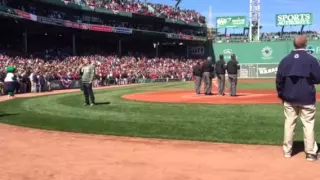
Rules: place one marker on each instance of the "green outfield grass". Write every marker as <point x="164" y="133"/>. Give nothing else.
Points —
<point x="252" y="124"/>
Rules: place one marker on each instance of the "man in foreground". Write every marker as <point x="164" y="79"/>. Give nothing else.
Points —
<point x="296" y="76"/>
<point x="232" y="69"/>
<point x="221" y="74"/>
<point x="207" y="70"/>
<point x="87" y="72"/>
<point x="197" y="73"/>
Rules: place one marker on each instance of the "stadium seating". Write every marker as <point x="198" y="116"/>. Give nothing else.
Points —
<point x="148" y="9"/>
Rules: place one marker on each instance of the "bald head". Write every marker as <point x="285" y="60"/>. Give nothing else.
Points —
<point x="300" y="42"/>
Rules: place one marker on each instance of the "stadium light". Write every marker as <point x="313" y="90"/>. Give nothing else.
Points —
<point x="178" y="2"/>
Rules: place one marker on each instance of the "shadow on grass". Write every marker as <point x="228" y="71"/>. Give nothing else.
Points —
<point x="102" y="103"/>
<point x="298" y="147"/>
<point x="5" y="115"/>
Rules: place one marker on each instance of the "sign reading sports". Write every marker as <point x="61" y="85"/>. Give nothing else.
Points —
<point x="231" y="22"/>
<point x="294" y="19"/>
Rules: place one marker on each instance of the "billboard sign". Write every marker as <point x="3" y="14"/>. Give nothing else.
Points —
<point x="231" y="22"/>
<point x="267" y="70"/>
<point x="294" y="19"/>
<point x="101" y="28"/>
<point x="122" y="30"/>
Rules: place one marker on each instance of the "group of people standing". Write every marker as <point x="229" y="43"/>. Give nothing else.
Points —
<point x="206" y="71"/>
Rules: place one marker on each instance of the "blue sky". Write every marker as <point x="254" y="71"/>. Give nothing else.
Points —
<point x="269" y="8"/>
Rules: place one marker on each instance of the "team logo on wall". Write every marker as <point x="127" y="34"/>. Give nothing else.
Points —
<point x="266" y="52"/>
<point x="227" y="53"/>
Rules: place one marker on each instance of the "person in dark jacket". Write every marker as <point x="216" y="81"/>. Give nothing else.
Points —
<point x="197" y="73"/>
<point x="232" y="69"/>
<point x="207" y="71"/>
<point x="221" y="74"/>
<point x="297" y="73"/>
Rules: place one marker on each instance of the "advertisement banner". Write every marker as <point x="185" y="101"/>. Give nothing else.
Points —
<point x="267" y="70"/>
<point x="186" y="37"/>
<point x="172" y="36"/>
<point x="51" y="21"/>
<point x="231" y="22"/>
<point x="101" y="28"/>
<point x="26" y="15"/>
<point x="198" y="50"/>
<point x="200" y="38"/>
<point x="58" y="85"/>
<point x="76" y="25"/>
<point x="122" y="30"/>
<point x="294" y="19"/>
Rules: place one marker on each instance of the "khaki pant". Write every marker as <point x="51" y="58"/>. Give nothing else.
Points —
<point x="307" y="115"/>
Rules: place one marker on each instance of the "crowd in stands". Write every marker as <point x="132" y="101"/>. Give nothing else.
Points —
<point x="273" y="36"/>
<point x="110" y="69"/>
<point x="148" y="9"/>
<point x="311" y="35"/>
<point x="52" y="13"/>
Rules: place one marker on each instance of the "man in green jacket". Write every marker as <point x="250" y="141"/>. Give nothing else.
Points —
<point x="87" y="72"/>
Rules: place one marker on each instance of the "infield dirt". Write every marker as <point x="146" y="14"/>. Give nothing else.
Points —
<point x="31" y="154"/>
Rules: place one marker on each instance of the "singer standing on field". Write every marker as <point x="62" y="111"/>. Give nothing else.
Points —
<point x="87" y="72"/>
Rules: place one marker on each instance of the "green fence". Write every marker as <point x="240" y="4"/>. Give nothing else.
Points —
<point x="261" y="52"/>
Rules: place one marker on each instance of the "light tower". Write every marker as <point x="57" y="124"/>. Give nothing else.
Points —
<point x="254" y="20"/>
<point x="210" y="25"/>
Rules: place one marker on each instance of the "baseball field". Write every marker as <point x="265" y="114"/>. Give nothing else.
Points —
<point x="166" y="116"/>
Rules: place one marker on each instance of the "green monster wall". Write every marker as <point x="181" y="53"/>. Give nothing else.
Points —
<point x="261" y="59"/>
<point x="261" y="52"/>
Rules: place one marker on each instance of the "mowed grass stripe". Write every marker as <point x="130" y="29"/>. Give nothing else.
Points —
<point x="252" y="124"/>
